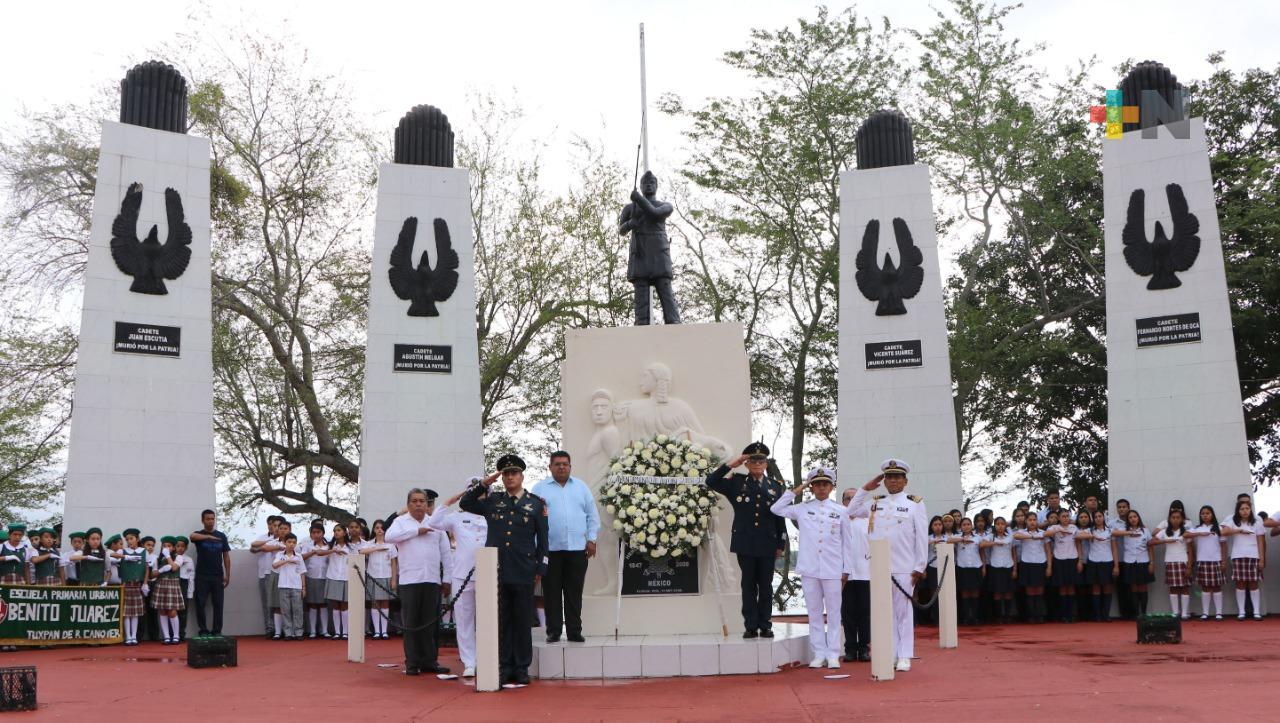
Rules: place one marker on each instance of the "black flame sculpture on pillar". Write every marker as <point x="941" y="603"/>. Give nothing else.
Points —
<point x="885" y="140"/>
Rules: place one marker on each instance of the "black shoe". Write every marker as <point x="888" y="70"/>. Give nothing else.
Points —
<point x="412" y="671"/>
<point x="768" y="633"/>
<point x="434" y="669"/>
<point x="521" y="677"/>
<point x="553" y="638"/>
<point x="576" y="638"/>
<point x="748" y="634"/>
<point x="846" y="658"/>
<point x="864" y="655"/>
<point x="504" y="678"/>
<point x="202" y="634"/>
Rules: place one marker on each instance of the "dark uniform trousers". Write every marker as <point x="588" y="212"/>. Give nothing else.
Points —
<point x="758" y="535"/>
<point x="209" y="587"/>
<point x="566" y="574"/>
<point x="420" y="603"/>
<point x="670" y="312"/>
<point x="518" y="529"/>
<point x="855" y="615"/>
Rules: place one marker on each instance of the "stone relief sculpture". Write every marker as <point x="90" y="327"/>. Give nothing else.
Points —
<point x="607" y="440"/>
<point x="660" y="413"/>
<point x="148" y="261"/>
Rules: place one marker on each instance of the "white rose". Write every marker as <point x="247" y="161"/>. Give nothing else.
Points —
<point x="652" y="528"/>
<point x="703" y="502"/>
<point x="632" y="511"/>
<point x="626" y="489"/>
<point x="610" y="509"/>
<point x="677" y="552"/>
<point x="651" y="446"/>
<point x="617" y="524"/>
<point x="628" y="528"/>
<point x="682" y="510"/>
<point x="684" y="489"/>
<point x="662" y="438"/>
<point x="662" y="525"/>
<point x="664" y="468"/>
<point x="705" y="452"/>
<point x="654" y="514"/>
<point x="644" y="548"/>
<point x="665" y="538"/>
<point x="682" y="533"/>
<point x="657" y="552"/>
<point x="652" y="539"/>
<point x="695" y="540"/>
<point x="650" y="472"/>
<point x="646" y="455"/>
<point x="671" y="519"/>
<point x="616" y="468"/>
<point x="702" y="464"/>
<point x="702" y="520"/>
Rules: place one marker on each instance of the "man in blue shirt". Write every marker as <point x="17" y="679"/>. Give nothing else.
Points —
<point x="573" y="523"/>
<point x="213" y="571"/>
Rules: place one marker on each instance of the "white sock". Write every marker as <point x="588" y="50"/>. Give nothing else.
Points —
<point x="278" y="620"/>
<point x="1217" y="601"/>
<point x="378" y="623"/>
<point x="1240" y="601"/>
<point x="1173" y="603"/>
<point x="345" y="616"/>
<point x="131" y="628"/>
<point x="323" y="615"/>
<point x="1255" y="596"/>
<point x="164" y="627"/>
<point x="1186" y="604"/>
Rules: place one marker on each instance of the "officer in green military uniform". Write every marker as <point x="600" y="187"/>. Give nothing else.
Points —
<point x="517" y="522"/>
<point x="759" y="536"/>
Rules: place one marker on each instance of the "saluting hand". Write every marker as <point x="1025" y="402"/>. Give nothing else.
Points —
<point x="874" y="483"/>
<point x="736" y="461"/>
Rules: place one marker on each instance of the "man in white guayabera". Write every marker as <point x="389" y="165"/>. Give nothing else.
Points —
<point x="901" y="519"/>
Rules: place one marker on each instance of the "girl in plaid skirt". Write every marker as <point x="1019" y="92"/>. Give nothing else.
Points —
<point x="1177" y="563"/>
<point x="1244" y="533"/>
<point x="166" y="597"/>
<point x="13" y="556"/>
<point x="133" y="573"/>
<point x="1208" y="566"/>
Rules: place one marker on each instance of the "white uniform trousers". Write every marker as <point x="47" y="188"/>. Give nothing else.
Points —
<point x="464" y="618"/>
<point x="820" y="594"/>
<point x="904" y="631"/>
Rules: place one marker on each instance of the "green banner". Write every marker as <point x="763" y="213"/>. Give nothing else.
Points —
<point x="51" y="615"/>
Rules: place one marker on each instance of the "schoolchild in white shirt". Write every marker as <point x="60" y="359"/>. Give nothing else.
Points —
<point x="1101" y="567"/>
<point x="1067" y="564"/>
<point x="1138" y="570"/>
<point x="1033" y="567"/>
<point x="1000" y="569"/>
<point x="380" y="570"/>
<point x="1248" y="551"/>
<point x="336" y="581"/>
<point x="314" y="552"/>
<point x="1208" y="557"/>
<point x="186" y="580"/>
<point x="969" y="571"/>
<point x="291" y="583"/>
<point x="1177" y="562"/>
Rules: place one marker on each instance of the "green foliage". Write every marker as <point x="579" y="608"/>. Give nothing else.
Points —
<point x="36" y="369"/>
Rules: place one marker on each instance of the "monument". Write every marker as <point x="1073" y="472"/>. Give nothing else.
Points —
<point x="141" y="443"/>
<point x="895" y="396"/>
<point x="421" y="412"/>
<point x="1175" y="418"/>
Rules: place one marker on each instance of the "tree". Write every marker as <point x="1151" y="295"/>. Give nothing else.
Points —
<point x="771" y="162"/>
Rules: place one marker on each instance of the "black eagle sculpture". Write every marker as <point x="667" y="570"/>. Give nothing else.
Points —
<point x="1164" y="255"/>
<point x="424" y="285"/>
<point x="148" y="261"/>
<point x="889" y="284"/>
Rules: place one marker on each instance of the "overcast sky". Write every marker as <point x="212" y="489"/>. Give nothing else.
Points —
<point x="573" y="64"/>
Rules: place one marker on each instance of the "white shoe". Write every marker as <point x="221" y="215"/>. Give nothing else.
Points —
<point x="817" y="662"/>
<point x="833" y="663"/>
<point x="469" y="672"/>
<point x="904" y="664"/>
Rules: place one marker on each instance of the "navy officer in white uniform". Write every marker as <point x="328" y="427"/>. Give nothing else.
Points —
<point x="901" y="519"/>
<point x="824" y="533"/>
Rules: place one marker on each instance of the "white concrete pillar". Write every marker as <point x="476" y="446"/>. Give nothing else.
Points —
<point x="882" y="638"/>
<point x="948" y="632"/>
<point x="486" y="582"/>
<point x="355" y="608"/>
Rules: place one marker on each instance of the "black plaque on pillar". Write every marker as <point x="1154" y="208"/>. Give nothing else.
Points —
<point x="150" y="339"/>
<point x="894" y="354"/>
<point x="423" y="358"/>
<point x="1172" y="329"/>
<point x="643" y="575"/>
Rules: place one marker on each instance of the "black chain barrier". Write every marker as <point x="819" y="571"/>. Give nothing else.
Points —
<point x="448" y="607"/>
<point x="936" y="590"/>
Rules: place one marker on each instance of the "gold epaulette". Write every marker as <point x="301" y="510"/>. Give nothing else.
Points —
<point x="914" y="498"/>
<point x="880" y="497"/>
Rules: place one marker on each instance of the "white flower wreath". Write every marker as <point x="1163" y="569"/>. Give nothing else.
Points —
<point x="656" y="496"/>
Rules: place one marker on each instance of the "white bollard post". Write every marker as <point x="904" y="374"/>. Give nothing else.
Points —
<point x="882" y="642"/>
<point x="355" y="608"/>
<point x="485" y="580"/>
<point x="948" y="633"/>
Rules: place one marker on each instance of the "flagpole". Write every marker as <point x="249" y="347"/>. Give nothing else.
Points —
<point x="644" y="104"/>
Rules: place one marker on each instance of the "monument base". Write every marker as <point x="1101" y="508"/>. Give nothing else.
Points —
<point x="670" y="656"/>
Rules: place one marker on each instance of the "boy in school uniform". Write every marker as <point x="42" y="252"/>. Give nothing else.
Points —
<point x="291" y="572"/>
<point x="115" y="551"/>
<point x="283" y="527"/>
<point x="150" y="620"/>
<point x="47" y="569"/>
<point x="70" y="571"/>
<point x="264" y="548"/>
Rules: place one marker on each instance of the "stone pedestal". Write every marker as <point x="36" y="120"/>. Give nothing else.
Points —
<point x="1176" y="422"/>
<point x="141" y="447"/>
<point x="708" y="365"/>
<point x="895" y="396"/>
<point x="421" y="411"/>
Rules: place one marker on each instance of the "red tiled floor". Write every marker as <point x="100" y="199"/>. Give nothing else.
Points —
<point x="1046" y="673"/>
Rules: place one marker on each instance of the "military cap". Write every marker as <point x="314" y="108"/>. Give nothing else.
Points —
<point x="17" y="527"/>
<point x="510" y="461"/>
<point x="895" y="466"/>
<point x="431" y="494"/>
<point x="77" y="536"/>
<point x="131" y="531"/>
<point x="821" y="474"/>
<point x="756" y="450"/>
